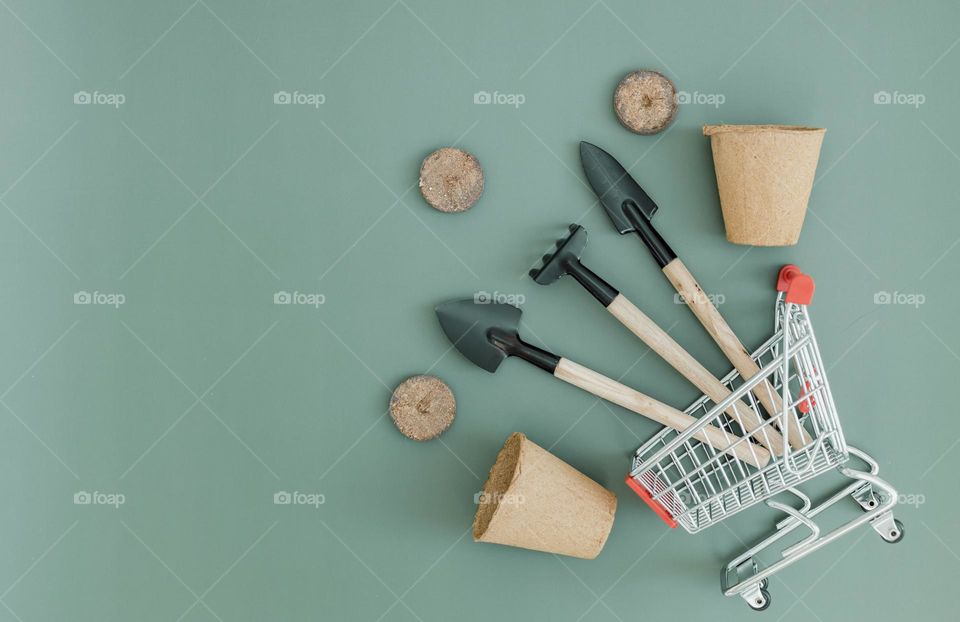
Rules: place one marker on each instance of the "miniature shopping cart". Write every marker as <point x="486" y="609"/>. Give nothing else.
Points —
<point x="690" y="483"/>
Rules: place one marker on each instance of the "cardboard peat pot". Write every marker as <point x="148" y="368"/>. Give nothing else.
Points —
<point x="764" y="174"/>
<point x="534" y="500"/>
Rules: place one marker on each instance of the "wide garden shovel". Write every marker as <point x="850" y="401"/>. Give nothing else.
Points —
<point x="489" y="333"/>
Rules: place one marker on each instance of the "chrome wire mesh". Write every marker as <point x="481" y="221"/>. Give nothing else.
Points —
<point x="699" y="485"/>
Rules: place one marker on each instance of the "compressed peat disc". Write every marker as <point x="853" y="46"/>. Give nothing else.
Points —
<point x="645" y="101"/>
<point x="451" y="180"/>
<point x="422" y="407"/>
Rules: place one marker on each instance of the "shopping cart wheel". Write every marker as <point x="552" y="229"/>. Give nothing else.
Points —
<point x="896" y="534"/>
<point x="889" y="528"/>
<point x="761" y="601"/>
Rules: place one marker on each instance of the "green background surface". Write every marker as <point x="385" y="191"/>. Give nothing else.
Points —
<point x="199" y="198"/>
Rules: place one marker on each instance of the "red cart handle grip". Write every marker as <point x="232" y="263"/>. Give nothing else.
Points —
<point x="798" y="286"/>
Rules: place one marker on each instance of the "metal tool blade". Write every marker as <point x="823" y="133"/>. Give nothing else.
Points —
<point x="614" y="187"/>
<point x="468" y="324"/>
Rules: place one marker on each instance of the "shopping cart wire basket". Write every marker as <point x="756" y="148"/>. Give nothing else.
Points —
<point x="691" y="484"/>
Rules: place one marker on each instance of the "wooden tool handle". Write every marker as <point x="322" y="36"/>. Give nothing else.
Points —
<point x="733" y="349"/>
<point x="691" y="369"/>
<point x="613" y="391"/>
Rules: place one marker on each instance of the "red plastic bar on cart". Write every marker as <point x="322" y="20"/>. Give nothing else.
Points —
<point x="653" y="503"/>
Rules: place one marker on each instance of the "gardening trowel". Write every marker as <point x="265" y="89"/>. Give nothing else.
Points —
<point x="489" y="333"/>
<point x="566" y="260"/>
<point x="631" y="210"/>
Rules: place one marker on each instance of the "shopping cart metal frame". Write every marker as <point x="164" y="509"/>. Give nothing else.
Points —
<point x="694" y="485"/>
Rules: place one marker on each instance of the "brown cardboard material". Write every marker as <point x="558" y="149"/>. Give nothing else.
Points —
<point x="536" y="501"/>
<point x="764" y="175"/>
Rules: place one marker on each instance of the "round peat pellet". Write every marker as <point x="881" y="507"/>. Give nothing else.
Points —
<point x="422" y="407"/>
<point x="645" y="101"/>
<point x="451" y="180"/>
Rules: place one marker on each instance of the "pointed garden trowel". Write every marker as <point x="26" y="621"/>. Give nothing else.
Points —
<point x="489" y="333"/>
<point x="631" y="210"/>
<point x="566" y="260"/>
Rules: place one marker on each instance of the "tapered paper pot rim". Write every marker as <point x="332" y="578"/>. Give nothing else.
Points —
<point x="711" y="130"/>
<point x="502" y="476"/>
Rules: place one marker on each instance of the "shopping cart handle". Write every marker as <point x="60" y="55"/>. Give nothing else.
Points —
<point x="795" y="284"/>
